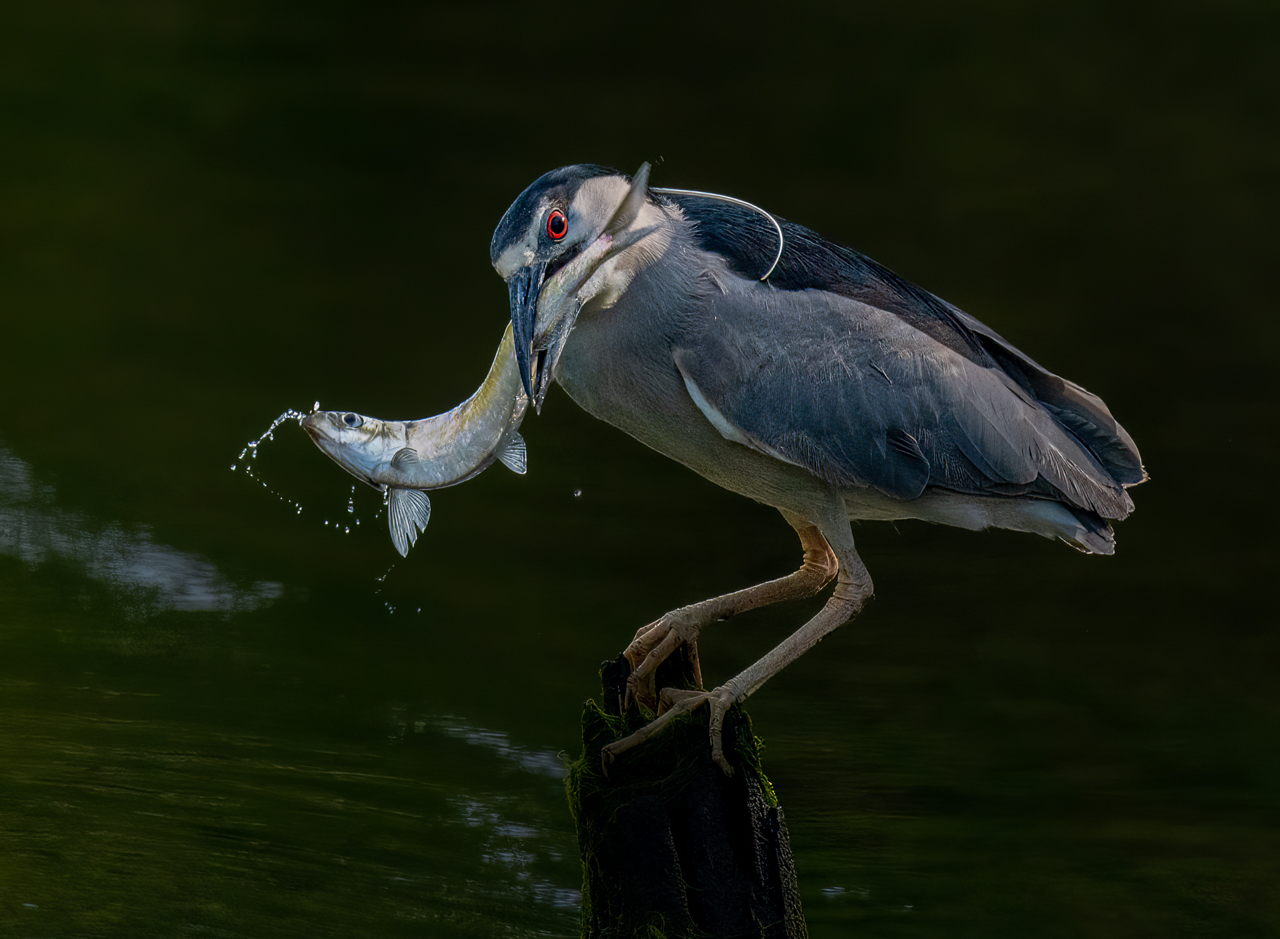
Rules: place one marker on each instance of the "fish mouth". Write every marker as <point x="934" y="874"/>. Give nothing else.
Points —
<point x="319" y="426"/>
<point x="310" y="424"/>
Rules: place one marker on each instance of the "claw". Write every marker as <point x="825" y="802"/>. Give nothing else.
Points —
<point x="656" y="643"/>
<point x="679" y="701"/>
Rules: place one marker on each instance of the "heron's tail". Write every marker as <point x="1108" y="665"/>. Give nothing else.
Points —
<point x="1092" y="535"/>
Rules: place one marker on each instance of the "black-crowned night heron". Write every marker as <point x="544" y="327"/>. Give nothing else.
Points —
<point x="805" y="376"/>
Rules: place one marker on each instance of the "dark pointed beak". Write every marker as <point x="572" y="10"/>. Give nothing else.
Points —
<point x="524" y="286"/>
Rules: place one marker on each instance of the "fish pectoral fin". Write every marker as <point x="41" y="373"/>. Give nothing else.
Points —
<point x="405" y="459"/>
<point x="514" y="455"/>
<point x="408" y="511"/>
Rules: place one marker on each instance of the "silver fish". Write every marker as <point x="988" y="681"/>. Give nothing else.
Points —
<point x="402" y="458"/>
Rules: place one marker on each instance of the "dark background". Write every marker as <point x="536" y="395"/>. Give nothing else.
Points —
<point x="223" y="716"/>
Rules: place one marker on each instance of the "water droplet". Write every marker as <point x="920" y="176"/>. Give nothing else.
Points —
<point x="251" y="452"/>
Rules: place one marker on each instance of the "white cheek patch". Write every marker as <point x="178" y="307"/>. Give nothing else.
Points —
<point x="517" y="256"/>
<point x="597" y="198"/>
<point x="521" y="253"/>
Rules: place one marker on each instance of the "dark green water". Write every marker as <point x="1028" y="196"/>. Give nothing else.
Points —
<point x="216" y="718"/>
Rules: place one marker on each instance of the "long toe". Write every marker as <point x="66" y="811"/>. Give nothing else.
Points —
<point x="720" y="700"/>
<point x="652" y="646"/>
<point x="677" y="702"/>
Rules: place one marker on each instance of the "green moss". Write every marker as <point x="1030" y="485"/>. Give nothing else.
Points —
<point x="668" y="841"/>
<point x="665" y="759"/>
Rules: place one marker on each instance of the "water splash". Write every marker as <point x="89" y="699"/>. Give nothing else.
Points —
<point x="250" y="453"/>
<point x="245" y="462"/>
<point x="382" y="581"/>
<point x="351" y="508"/>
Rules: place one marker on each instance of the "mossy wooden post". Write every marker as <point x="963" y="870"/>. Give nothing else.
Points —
<point x="671" y="846"/>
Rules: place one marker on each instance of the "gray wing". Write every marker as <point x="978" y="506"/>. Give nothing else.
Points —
<point x="748" y="243"/>
<point x="861" y="398"/>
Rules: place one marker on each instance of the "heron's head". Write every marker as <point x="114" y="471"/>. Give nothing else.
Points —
<point x="555" y="247"/>
<point x="359" y="444"/>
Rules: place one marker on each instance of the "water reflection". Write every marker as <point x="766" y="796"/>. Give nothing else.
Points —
<point x="33" y="529"/>
<point x="507" y="838"/>
<point x="516" y="848"/>
<point x="540" y="762"/>
<point x="214" y="830"/>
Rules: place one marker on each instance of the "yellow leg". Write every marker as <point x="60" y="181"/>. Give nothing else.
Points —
<point x="655" y="642"/>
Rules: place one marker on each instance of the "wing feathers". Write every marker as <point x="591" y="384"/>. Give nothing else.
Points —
<point x="860" y="398"/>
<point x="747" y="242"/>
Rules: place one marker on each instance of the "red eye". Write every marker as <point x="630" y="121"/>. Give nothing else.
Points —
<point x="557" y="225"/>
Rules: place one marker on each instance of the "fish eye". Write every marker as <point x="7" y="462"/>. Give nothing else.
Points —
<point x="557" y="225"/>
<point x="352" y="420"/>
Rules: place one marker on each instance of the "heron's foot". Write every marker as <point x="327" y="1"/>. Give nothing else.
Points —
<point x="653" y="645"/>
<point x="675" y="702"/>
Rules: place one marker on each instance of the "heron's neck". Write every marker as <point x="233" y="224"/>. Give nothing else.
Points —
<point x="627" y="337"/>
